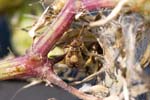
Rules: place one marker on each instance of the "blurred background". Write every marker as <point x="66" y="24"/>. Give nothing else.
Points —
<point x="15" y="19"/>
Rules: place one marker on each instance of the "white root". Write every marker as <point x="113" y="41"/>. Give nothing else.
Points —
<point x="111" y="16"/>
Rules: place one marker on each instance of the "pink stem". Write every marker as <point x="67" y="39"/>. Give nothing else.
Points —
<point x="33" y="63"/>
<point x="94" y="4"/>
<point x="20" y="67"/>
<point x="56" y="30"/>
<point x="11" y="68"/>
<point x="63" y="21"/>
<point x="53" y="78"/>
<point x="49" y="38"/>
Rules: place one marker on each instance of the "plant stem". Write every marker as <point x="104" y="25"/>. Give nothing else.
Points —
<point x="95" y="4"/>
<point x="33" y="63"/>
<point x="20" y="67"/>
<point x="14" y="67"/>
<point x="55" y="30"/>
<point x="53" y="78"/>
<point x="11" y="68"/>
<point x="63" y="21"/>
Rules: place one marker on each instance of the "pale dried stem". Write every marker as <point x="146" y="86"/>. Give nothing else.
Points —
<point x="112" y="15"/>
<point x="40" y="23"/>
<point x="146" y="57"/>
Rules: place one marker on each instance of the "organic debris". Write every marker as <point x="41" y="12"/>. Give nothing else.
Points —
<point x="108" y="61"/>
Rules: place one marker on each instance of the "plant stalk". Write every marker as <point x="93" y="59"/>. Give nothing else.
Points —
<point x="64" y="20"/>
<point x="32" y="64"/>
<point x="14" y="67"/>
<point x="53" y="78"/>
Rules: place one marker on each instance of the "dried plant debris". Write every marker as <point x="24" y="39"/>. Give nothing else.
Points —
<point x="111" y="60"/>
<point x="108" y="60"/>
